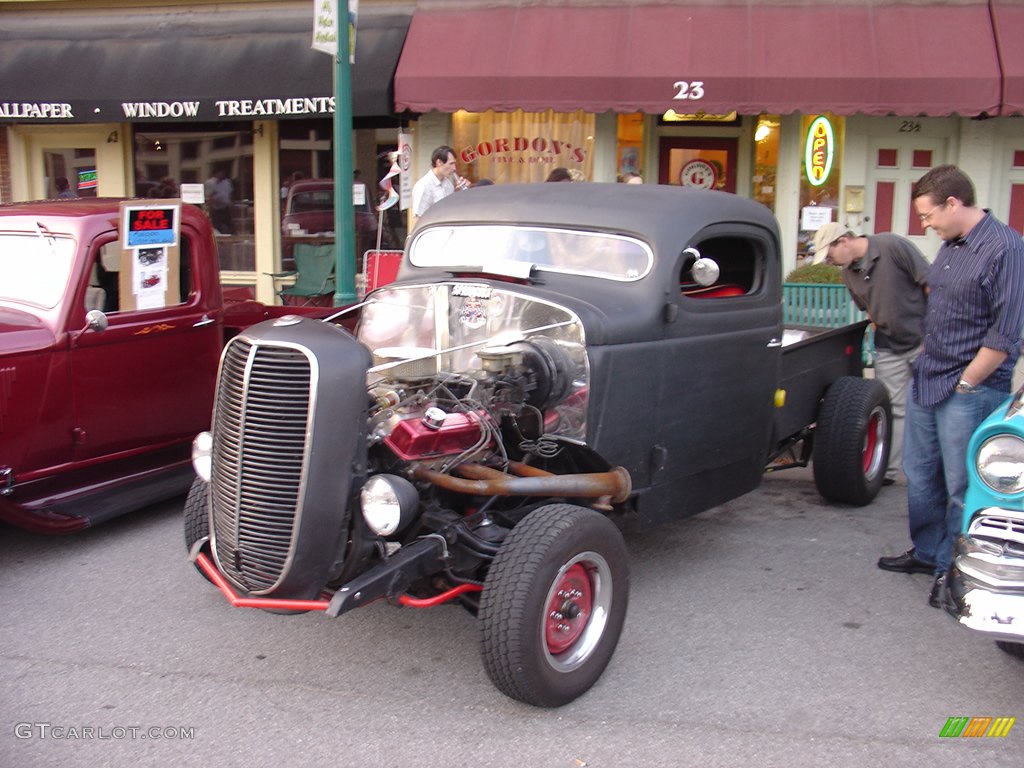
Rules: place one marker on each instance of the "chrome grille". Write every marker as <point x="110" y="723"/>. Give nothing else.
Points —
<point x="999" y="526"/>
<point x="260" y="419"/>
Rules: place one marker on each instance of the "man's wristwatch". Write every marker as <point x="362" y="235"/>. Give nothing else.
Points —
<point x="963" y="386"/>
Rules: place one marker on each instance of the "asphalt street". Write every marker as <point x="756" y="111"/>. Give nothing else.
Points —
<point x="759" y="633"/>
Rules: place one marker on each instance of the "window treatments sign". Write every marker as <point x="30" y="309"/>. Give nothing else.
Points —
<point x="326" y="27"/>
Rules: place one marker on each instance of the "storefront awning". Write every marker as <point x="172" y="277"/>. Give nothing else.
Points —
<point x="870" y="56"/>
<point x="188" y="64"/>
<point x="1008" y="18"/>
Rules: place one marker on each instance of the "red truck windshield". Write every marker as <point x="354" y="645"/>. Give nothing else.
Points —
<point x="34" y="268"/>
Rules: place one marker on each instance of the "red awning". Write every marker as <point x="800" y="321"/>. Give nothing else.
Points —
<point x="869" y="56"/>
<point x="1008" y="19"/>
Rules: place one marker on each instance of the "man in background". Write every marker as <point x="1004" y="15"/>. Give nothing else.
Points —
<point x="885" y="275"/>
<point x="436" y="184"/>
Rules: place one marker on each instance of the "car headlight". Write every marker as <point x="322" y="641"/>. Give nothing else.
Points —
<point x="389" y="503"/>
<point x="202" y="455"/>
<point x="1000" y="463"/>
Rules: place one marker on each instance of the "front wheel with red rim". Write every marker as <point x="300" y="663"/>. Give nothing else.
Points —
<point x="554" y="604"/>
<point x="851" y="440"/>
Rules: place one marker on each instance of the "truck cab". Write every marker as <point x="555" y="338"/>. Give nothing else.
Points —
<point x="99" y="400"/>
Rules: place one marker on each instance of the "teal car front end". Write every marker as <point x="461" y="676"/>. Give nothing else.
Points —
<point x="986" y="580"/>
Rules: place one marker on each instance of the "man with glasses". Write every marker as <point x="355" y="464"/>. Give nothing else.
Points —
<point x="972" y="337"/>
<point x="885" y="274"/>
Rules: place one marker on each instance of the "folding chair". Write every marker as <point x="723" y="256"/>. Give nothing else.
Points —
<point x="313" y="273"/>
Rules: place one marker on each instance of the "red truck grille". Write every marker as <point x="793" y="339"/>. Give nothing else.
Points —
<point x="260" y="418"/>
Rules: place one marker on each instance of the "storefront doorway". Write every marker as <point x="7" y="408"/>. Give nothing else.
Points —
<point x="89" y="159"/>
<point x="703" y="163"/>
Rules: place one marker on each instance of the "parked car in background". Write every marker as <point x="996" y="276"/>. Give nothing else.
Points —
<point x="309" y="218"/>
<point x="309" y="208"/>
<point x="985" y="586"/>
<point x="100" y="397"/>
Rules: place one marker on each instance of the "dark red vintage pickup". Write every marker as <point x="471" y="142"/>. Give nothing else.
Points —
<point x="102" y="386"/>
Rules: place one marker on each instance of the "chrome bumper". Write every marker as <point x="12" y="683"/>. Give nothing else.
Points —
<point x="986" y="590"/>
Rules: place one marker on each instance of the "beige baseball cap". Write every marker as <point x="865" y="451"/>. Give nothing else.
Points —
<point x="824" y="237"/>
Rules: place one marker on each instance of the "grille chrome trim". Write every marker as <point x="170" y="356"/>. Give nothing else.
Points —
<point x="998" y="525"/>
<point x="263" y="407"/>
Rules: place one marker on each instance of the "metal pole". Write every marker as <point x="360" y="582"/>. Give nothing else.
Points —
<point x="344" y="220"/>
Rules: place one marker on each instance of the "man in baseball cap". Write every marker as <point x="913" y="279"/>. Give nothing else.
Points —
<point x="825" y="236"/>
<point x="885" y="274"/>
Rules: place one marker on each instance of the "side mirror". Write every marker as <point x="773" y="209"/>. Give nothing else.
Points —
<point x="703" y="271"/>
<point x="95" y="320"/>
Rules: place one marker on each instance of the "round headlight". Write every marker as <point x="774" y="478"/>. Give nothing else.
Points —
<point x="202" y="455"/>
<point x="389" y="503"/>
<point x="1000" y="463"/>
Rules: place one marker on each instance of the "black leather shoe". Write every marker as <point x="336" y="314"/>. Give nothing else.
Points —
<point x="938" y="595"/>
<point x="905" y="563"/>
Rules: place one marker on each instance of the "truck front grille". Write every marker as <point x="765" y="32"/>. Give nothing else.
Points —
<point x="260" y="418"/>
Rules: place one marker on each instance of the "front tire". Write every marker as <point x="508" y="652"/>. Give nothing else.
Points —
<point x="197" y="518"/>
<point x="554" y="604"/>
<point x="851" y="441"/>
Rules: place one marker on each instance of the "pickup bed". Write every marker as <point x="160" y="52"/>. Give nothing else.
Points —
<point x="104" y="382"/>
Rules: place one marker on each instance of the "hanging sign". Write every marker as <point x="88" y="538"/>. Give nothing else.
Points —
<point x="327" y="26"/>
<point x="819" y="149"/>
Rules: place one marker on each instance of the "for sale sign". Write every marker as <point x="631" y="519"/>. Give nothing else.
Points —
<point x="148" y="225"/>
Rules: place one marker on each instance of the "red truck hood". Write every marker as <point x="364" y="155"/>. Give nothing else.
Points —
<point x="23" y="332"/>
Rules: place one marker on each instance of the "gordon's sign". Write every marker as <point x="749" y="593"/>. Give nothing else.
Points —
<point x="523" y="149"/>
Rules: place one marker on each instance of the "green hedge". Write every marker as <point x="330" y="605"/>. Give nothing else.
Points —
<point x="815" y="273"/>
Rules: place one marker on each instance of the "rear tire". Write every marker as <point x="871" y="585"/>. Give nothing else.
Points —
<point x="851" y="441"/>
<point x="554" y="604"/>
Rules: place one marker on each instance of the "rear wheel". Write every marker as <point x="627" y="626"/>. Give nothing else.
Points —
<point x="851" y="441"/>
<point x="554" y="604"/>
<point x="1014" y="649"/>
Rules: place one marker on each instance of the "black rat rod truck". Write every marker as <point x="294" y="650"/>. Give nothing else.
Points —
<point x="553" y="358"/>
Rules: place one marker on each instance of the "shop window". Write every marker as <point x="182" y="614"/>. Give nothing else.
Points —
<point x="219" y="157"/>
<point x="888" y="158"/>
<point x="630" y="144"/>
<point x="922" y="158"/>
<point x="306" y="169"/>
<point x="821" y="175"/>
<point x="520" y="147"/>
<point x="766" y="159"/>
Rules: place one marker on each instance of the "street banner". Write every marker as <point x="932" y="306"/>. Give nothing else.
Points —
<point x="326" y="27"/>
<point x="405" y="165"/>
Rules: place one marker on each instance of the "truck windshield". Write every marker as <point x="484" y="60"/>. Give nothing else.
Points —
<point x="488" y="247"/>
<point x="34" y="268"/>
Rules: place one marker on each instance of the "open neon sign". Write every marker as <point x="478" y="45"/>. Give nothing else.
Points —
<point x="819" y="149"/>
